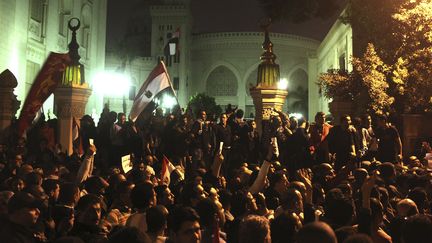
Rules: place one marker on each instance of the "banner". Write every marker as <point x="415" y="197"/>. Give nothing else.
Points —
<point x="43" y="86"/>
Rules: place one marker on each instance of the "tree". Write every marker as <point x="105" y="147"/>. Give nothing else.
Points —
<point x="412" y="72"/>
<point x="202" y="101"/>
<point x="297" y="11"/>
<point x="367" y="84"/>
<point x="372" y="22"/>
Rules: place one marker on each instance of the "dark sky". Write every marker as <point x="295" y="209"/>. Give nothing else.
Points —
<point x="218" y="16"/>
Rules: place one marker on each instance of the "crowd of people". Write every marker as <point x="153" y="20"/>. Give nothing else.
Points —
<point x="294" y="181"/>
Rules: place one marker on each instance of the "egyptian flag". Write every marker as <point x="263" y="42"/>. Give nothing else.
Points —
<point x="157" y="82"/>
<point x="76" y="137"/>
<point x="43" y="86"/>
<point x="167" y="168"/>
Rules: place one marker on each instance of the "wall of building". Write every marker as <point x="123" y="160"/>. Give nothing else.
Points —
<point x="334" y="52"/>
<point x="31" y="29"/>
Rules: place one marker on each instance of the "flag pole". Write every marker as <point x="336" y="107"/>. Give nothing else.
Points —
<point x="171" y="85"/>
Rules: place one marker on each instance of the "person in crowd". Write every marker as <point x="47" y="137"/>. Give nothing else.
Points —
<point x="341" y="139"/>
<point x="389" y="142"/>
<point x="318" y="134"/>
<point x="87" y="220"/>
<point x="184" y="225"/>
<point x="234" y="187"/>
<point x="23" y="213"/>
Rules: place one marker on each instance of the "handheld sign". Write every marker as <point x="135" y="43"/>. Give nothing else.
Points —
<point x="126" y="163"/>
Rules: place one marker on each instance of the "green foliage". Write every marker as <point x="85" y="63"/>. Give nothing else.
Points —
<point x="366" y="85"/>
<point x="202" y="101"/>
<point x="297" y="11"/>
<point x="401" y="31"/>
<point x="412" y="72"/>
<point x="372" y="22"/>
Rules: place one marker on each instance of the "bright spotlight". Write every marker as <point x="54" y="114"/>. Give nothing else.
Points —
<point x="283" y="84"/>
<point x="111" y="84"/>
<point x="168" y="101"/>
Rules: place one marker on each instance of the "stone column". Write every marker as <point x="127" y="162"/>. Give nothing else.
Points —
<point x="69" y="102"/>
<point x="8" y="101"/>
<point x="265" y="100"/>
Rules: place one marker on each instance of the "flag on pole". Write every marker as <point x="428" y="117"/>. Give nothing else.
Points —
<point x="157" y="81"/>
<point x="43" y="86"/>
<point x="167" y="168"/>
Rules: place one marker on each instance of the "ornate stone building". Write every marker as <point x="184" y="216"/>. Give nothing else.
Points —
<point x="224" y="65"/>
<point x="31" y="29"/>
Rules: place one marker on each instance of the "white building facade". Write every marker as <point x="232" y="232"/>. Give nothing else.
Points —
<point x="31" y="29"/>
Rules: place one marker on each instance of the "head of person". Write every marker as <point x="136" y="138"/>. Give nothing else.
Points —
<point x="381" y="121"/>
<point x="112" y="116"/>
<point x="130" y="235"/>
<point x="69" y="194"/>
<point x="239" y="114"/>
<point x="23" y="209"/>
<point x="88" y="210"/>
<point x="292" y="201"/>
<point x="360" y="175"/>
<point x="202" y="115"/>
<point x="345" y="121"/>
<point x="4" y="199"/>
<point x="366" y="120"/>
<point x="96" y="185"/>
<point x="121" y="118"/>
<point x="254" y="229"/>
<point x="143" y="196"/>
<point x="164" y="195"/>
<point x="358" y="238"/>
<point x="316" y="232"/>
<point x="184" y="226"/>
<point x="418" y="228"/>
<point x="419" y="196"/>
<point x="208" y="212"/>
<point x="192" y="193"/>
<point x="223" y="118"/>
<point x="279" y="182"/>
<point x="52" y="189"/>
<point x="357" y="122"/>
<point x="156" y="218"/>
<point x="339" y="209"/>
<point x="284" y="227"/>
<point x="320" y="118"/>
<point x="406" y="207"/>
<point x="387" y="171"/>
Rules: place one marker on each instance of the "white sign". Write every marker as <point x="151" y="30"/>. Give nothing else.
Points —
<point x="126" y="163"/>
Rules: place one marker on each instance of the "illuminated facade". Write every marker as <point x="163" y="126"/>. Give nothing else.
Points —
<point x="30" y="29"/>
<point x="223" y="65"/>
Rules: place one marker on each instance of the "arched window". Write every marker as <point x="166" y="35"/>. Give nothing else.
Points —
<point x="251" y="81"/>
<point x="221" y="82"/>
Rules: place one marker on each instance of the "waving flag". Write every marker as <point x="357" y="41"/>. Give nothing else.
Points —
<point x="43" y="86"/>
<point x="167" y="168"/>
<point x="157" y="81"/>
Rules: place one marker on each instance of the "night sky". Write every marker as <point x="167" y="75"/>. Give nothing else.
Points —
<point x="218" y="16"/>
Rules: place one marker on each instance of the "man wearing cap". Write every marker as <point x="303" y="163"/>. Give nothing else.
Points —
<point x="23" y="212"/>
